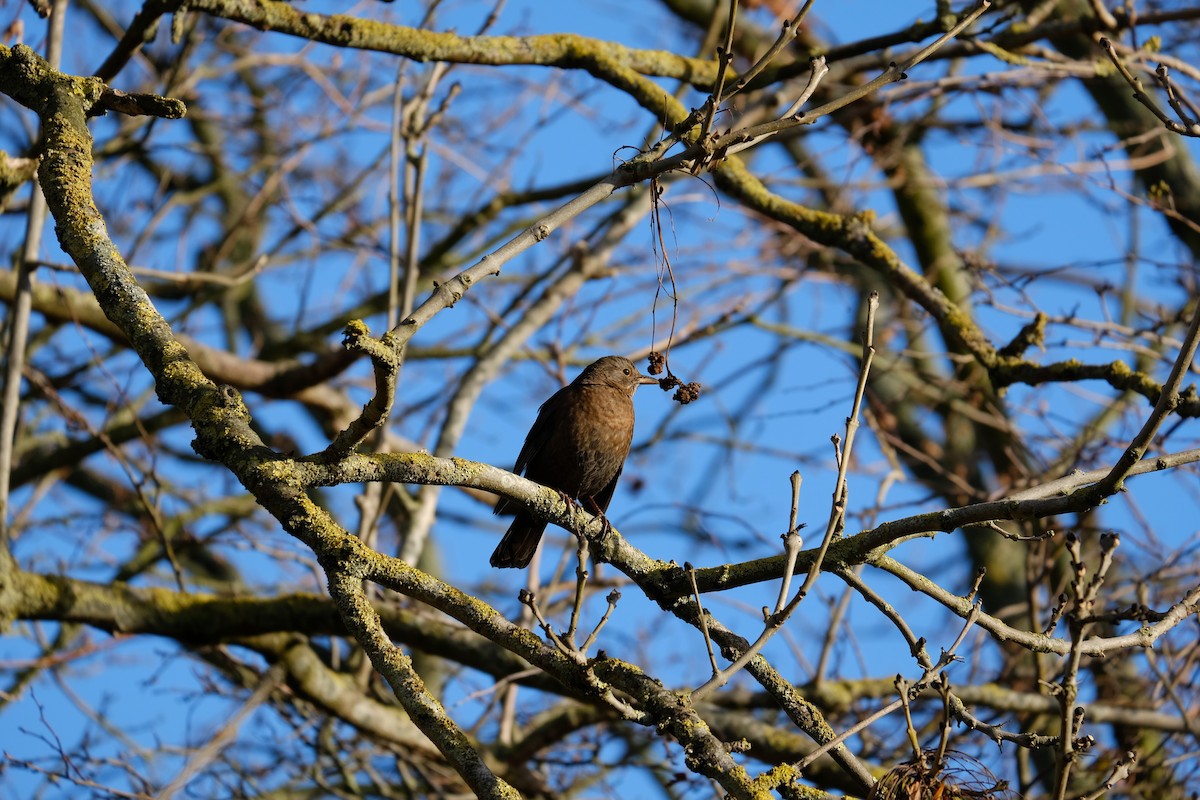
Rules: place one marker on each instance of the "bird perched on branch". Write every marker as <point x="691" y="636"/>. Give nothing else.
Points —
<point x="578" y="446"/>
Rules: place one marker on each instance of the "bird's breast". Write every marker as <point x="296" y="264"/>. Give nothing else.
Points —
<point x="589" y="440"/>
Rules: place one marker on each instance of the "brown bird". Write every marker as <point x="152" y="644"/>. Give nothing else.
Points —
<point x="577" y="445"/>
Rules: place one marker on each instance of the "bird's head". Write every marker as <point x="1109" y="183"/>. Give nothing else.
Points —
<point x="616" y="371"/>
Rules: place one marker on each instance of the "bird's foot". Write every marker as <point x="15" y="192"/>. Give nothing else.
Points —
<point x="605" y="526"/>
<point x="570" y="502"/>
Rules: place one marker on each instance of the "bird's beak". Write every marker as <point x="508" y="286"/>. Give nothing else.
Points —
<point x="646" y="380"/>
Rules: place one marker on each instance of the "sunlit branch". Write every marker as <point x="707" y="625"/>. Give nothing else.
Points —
<point x="1188" y="126"/>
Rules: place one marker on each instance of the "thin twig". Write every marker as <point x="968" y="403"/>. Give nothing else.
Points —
<point x="1168" y="400"/>
<point x="833" y="631"/>
<point x="926" y="679"/>
<point x="1139" y="93"/>
<point x="22" y="306"/>
<point x="581" y="579"/>
<point x="792" y="544"/>
<point x="529" y="599"/>
<point x="893" y="74"/>
<point x="1107" y="20"/>
<point x="838" y="511"/>
<point x="724" y="57"/>
<point x="1120" y="772"/>
<point x="209" y="752"/>
<point x="703" y="617"/>
<point x="394" y="160"/>
<point x="817" y="71"/>
<point x="789" y="31"/>
<point x="774" y="622"/>
<point x="943" y="687"/>
<point x="613" y="597"/>
<point x="916" y="645"/>
<point x="1173" y="99"/>
<point x="902" y="689"/>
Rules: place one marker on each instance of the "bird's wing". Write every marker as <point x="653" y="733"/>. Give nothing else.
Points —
<point x="535" y="440"/>
<point x="542" y="430"/>
<point x="604" y="496"/>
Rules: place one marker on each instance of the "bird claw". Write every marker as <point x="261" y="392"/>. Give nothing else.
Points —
<point x="605" y="526"/>
<point x="570" y="502"/>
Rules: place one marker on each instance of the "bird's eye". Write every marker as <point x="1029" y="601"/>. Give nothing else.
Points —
<point x="626" y="372"/>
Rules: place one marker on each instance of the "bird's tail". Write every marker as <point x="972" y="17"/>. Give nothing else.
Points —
<point x="520" y="542"/>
